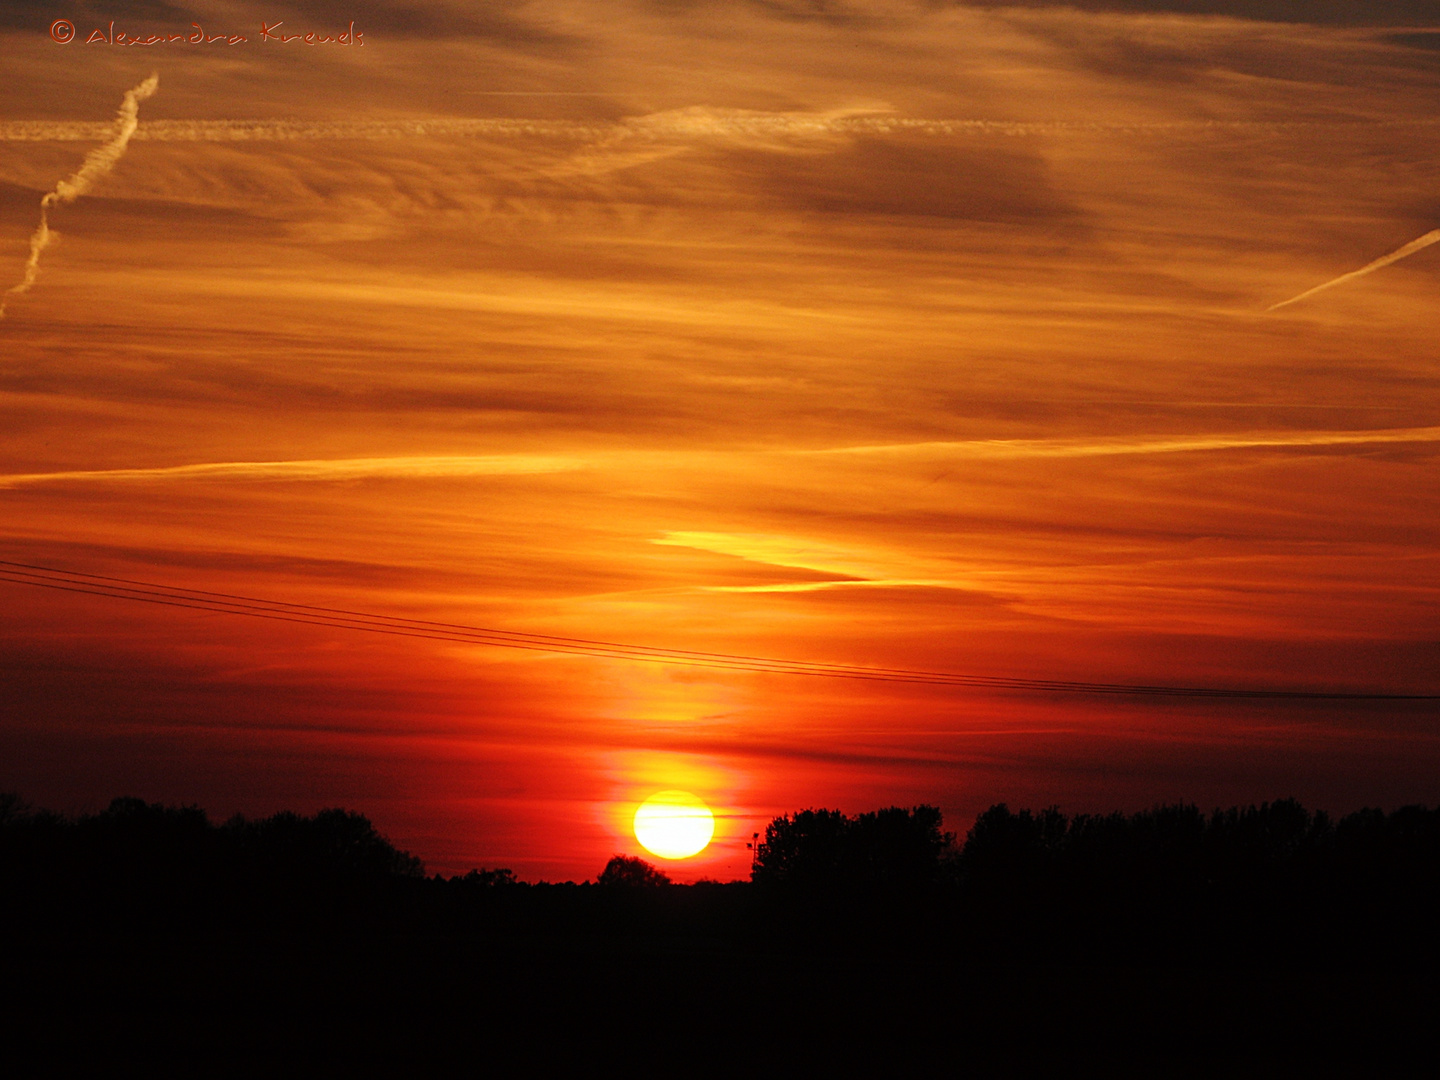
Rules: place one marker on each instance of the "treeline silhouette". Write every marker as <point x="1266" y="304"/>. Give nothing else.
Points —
<point x="1164" y="850"/>
<point x="1223" y="855"/>
<point x="132" y="839"/>
<point x="138" y="863"/>
<point x="1173" y="884"/>
<point x="1267" y="874"/>
<point x="1172" y="923"/>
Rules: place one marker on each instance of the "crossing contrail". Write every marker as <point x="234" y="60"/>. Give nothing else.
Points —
<point x="96" y="165"/>
<point x="1425" y="241"/>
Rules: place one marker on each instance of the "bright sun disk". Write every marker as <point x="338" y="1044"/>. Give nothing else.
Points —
<point x="674" y="825"/>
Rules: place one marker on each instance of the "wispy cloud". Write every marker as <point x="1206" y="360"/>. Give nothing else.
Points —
<point x="850" y="565"/>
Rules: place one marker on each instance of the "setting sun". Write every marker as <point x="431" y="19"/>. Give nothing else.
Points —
<point x="674" y="825"/>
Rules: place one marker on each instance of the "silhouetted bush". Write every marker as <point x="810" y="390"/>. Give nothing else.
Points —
<point x="628" y="871"/>
<point x="501" y="877"/>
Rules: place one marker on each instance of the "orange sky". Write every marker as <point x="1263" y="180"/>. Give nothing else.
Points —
<point x="898" y="334"/>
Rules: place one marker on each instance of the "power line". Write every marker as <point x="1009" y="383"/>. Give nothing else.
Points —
<point x="340" y="618"/>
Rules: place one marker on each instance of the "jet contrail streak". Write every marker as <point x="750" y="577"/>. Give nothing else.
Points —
<point x="670" y="122"/>
<point x="1425" y="241"/>
<point x="96" y="165"/>
<point x="323" y="469"/>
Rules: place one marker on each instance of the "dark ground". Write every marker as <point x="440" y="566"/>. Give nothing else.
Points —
<point x="170" y="959"/>
<point x="704" y="982"/>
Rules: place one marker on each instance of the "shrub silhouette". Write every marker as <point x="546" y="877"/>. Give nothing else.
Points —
<point x="500" y="877"/>
<point x="629" y="872"/>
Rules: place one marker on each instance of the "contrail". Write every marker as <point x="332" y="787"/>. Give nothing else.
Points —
<point x="675" y="122"/>
<point x="1431" y="237"/>
<point x="323" y="469"/>
<point x="96" y="165"/>
<point x="1005" y="449"/>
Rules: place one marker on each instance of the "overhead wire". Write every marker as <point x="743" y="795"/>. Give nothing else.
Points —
<point x="370" y="622"/>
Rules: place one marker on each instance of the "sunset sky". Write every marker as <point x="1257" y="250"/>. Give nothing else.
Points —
<point x="891" y="333"/>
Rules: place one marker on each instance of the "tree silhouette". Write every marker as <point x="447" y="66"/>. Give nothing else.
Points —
<point x="807" y="848"/>
<point x="628" y="871"/>
<point x="1002" y="844"/>
<point x="824" y="849"/>
<point x="332" y="843"/>
<point x="898" y="848"/>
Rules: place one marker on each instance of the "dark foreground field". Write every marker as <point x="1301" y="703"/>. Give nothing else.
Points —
<point x="156" y="942"/>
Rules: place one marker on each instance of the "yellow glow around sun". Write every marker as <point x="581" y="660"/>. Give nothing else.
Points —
<point x="674" y="825"/>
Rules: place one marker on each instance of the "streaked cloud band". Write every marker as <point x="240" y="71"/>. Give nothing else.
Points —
<point x="439" y="466"/>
